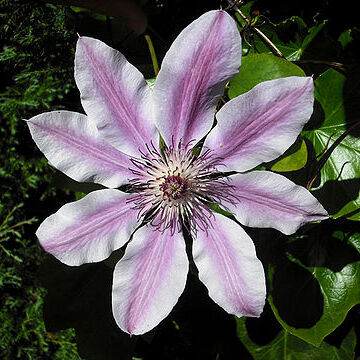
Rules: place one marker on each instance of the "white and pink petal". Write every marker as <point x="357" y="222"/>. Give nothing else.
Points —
<point x="260" y="125"/>
<point x="72" y="144"/>
<point x="115" y="95"/>
<point x="90" y="229"/>
<point x="193" y="73"/>
<point x="269" y="200"/>
<point x="149" y="279"/>
<point x="226" y="259"/>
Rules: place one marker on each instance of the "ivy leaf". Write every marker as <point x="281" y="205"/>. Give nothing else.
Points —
<point x="246" y="10"/>
<point x="295" y="158"/>
<point x="292" y="37"/>
<point x="339" y="184"/>
<point x="319" y="282"/>
<point x="286" y="346"/>
<point x="257" y="68"/>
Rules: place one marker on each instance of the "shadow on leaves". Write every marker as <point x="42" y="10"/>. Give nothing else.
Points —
<point x="334" y="194"/>
<point x="295" y="291"/>
<point x="322" y="249"/>
<point x="263" y="330"/>
<point x="351" y="96"/>
<point x="297" y="296"/>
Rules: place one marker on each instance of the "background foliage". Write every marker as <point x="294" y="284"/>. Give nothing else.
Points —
<point x="51" y="311"/>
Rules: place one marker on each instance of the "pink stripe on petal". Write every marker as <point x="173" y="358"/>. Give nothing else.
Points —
<point x="149" y="279"/>
<point x="261" y="124"/>
<point x="194" y="71"/>
<point x="266" y="199"/>
<point x="115" y="95"/>
<point x="227" y="263"/>
<point x="88" y="230"/>
<point x="72" y="144"/>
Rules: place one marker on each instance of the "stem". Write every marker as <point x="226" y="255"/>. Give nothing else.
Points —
<point x="267" y="41"/>
<point x="326" y="156"/>
<point x="8" y="216"/>
<point x="25" y="222"/>
<point x="285" y="344"/>
<point x="152" y="54"/>
<point x="260" y="34"/>
<point x="329" y="63"/>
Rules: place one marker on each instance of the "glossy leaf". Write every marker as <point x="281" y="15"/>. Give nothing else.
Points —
<point x="292" y="37"/>
<point x="338" y="184"/>
<point x="293" y="159"/>
<point x="288" y="347"/>
<point x="322" y="280"/>
<point x="246" y="10"/>
<point x="257" y="68"/>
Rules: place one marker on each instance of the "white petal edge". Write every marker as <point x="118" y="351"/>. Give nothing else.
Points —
<point x="72" y="144"/>
<point x="226" y="259"/>
<point x="263" y="123"/>
<point x="204" y="56"/>
<point x="269" y="200"/>
<point x="115" y="95"/>
<point x="90" y="229"/>
<point x="149" y="279"/>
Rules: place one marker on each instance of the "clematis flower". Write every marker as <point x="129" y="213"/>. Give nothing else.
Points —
<point x="171" y="187"/>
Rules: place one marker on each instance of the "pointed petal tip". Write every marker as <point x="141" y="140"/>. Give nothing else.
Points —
<point x="226" y="259"/>
<point x="211" y="47"/>
<point x="90" y="229"/>
<point x="263" y="122"/>
<point x="250" y="311"/>
<point x="270" y="200"/>
<point x="115" y="94"/>
<point x="72" y="144"/>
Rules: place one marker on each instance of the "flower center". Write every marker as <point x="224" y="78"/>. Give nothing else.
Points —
<point x="174" y="187"/>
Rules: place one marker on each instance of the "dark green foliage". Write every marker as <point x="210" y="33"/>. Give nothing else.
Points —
<point x="36" y="71"/>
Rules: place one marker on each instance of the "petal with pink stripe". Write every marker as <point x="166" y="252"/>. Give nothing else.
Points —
<point x="88" y="230"/>
<point x="261" y="124"/>
<point x="193" y="73"/>
<point x="226" y="259"/>
<point x="266" y="199"/>
<point x="149" y="279"/>
<point x="72" y="144"/>
<point x="114" y="94"/>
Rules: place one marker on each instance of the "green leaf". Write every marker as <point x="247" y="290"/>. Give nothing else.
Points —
<point x="79" y="195"/>
<point x="338" y="183"/>
<point x="295" y="158"/>
<point x="318" y="285"/>
<point x="288" y="347"/>
<point x="345" y="38"/>
<point x="257" y="68"/>
<point x="246" y="10"/>
<point x="292" y="37"/>
<point x="215" y="207"/>
<point x="151" y="82"/>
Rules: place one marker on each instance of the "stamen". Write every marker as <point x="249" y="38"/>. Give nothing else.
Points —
<point x="175" y="186"/>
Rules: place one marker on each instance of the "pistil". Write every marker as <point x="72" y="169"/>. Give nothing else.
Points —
<point x="176" y="185"/>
